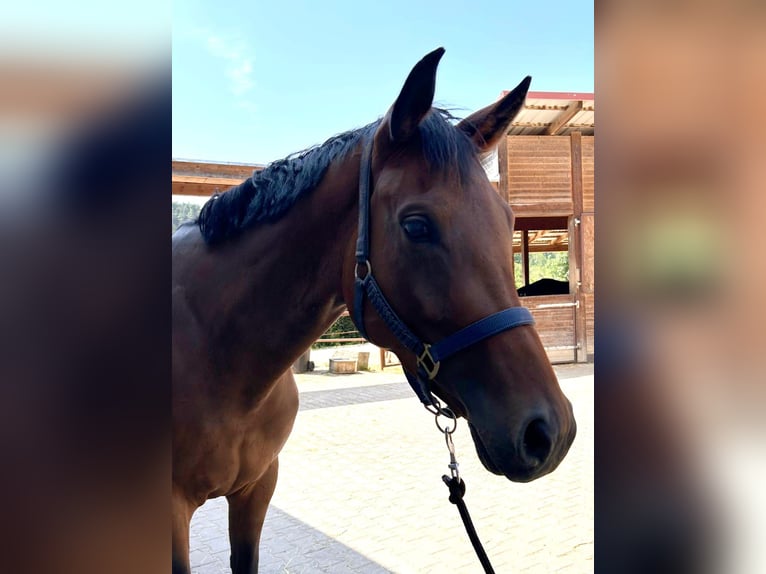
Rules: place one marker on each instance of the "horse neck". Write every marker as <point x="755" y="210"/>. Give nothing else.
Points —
<point x="287" y="276"/>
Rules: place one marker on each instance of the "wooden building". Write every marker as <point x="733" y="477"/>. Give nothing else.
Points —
<point x="545" y="171"/>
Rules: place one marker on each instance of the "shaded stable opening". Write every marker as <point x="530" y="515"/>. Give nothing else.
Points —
<point x="543" y="267"/>
<point x="541" y="255"/>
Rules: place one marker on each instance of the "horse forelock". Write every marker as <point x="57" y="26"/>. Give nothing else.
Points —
<point x="444" y="146"/>
<point x="268" y="194"/>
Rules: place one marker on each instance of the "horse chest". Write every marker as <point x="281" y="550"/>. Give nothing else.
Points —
<point x="229" y="450"/>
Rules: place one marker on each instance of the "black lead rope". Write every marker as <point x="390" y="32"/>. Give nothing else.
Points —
<point x="456" y="491"/>
<point x="457" y="486"/>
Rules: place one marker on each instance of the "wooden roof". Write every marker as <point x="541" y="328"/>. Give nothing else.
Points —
<point x="555" y="113"/>
<point x="545" y="234"/>
<point x="543" y="240"/>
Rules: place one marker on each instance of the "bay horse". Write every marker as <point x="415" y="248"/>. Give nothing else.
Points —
<point x="271" y="263"/>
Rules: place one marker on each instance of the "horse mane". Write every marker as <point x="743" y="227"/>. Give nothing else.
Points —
<point x="268" y="194"/>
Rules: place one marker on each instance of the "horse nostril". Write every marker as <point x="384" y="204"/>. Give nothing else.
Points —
<point x="537" y="443"/>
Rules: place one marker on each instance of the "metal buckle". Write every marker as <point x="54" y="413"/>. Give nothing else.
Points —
<point x="427" y="363"/>
<point x="369" y="270"/>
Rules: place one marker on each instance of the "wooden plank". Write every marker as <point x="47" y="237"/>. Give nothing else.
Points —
<point x="566" y="115"/>
<point x="208" y="180"/>
<point x="238" y="171"/>
<point x="543" y="208"/>
<point x="502" y="164"/>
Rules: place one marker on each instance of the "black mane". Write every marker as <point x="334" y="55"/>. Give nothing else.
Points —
<point x="268" y="194"/>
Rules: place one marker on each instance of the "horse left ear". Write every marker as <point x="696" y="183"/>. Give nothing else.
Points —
<point x="487" y="126"/>
<point x="415" y="99"/>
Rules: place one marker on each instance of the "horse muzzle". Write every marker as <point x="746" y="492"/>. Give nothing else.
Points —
<point x="536" y="449"/>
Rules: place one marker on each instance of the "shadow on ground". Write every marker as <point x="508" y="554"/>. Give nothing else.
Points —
<point x="288" y="546"/>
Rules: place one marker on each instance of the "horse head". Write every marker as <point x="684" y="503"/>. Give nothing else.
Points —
<point x="441" y="251"/>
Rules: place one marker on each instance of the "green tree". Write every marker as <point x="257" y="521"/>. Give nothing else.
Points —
<point x="551" y="264"/>
<point x="343" y="328"/>
<point x="182" y="212"/>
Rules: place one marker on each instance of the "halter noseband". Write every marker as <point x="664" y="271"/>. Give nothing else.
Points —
<point x="429" y="357"/>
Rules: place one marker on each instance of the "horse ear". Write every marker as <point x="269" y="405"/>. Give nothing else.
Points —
<point x="487" y="126"/>
<point x="415" y="99"/>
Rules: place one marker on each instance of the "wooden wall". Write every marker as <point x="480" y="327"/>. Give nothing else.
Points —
<point x="547" y="176"/>
<point x="539" y="181"/>
<point x="555" y="320"/>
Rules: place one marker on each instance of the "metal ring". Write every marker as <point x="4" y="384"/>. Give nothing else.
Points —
<point x="435" y="408"/>
<point x="369" y="269"/>
<point x="446" y="412"/>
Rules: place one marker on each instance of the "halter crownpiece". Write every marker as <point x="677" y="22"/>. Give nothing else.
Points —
<point x="429" y="356"/>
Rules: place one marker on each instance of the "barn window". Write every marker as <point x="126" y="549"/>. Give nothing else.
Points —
<point x="541" y="255"/>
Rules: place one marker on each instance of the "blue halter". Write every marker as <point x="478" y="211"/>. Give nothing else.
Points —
<point x="429" y="357"/>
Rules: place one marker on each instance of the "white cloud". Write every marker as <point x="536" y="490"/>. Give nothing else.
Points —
<point x="239" y="65"/>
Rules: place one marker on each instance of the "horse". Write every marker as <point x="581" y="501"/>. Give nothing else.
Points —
<point x="270" y="264"/>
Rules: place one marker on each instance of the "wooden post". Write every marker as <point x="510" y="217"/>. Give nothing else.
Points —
<point x="575" y="248"/>
<point x="504" y="185"/>
<point x="525" y="255"/>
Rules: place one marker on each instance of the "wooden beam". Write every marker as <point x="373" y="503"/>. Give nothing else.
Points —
<point x="587" y="96"/>
<point x="198" y="189"/>
<point x="561" y="120"/>
<point x="577" y="199"/>
<point x="535" y="223"/>
<point x="207" y="180"/>
<point x="575" y="248"/>
<point x="204" y="179"/>
<point x="547" y="209"/>
<point x="209" y="168"/>
<point x="542" y="248"/>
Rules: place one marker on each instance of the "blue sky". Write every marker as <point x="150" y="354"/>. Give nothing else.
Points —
<point x="254" y="81"/>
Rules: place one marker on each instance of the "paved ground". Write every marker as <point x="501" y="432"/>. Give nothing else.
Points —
<point x="360" y="491"/>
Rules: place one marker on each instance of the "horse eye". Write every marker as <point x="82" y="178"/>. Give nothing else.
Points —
<point x="418" y="228"/>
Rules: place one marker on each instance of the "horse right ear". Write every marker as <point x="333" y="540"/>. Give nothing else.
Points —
<point x="487" y="126"/>
<point x="414" y="101"/>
